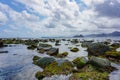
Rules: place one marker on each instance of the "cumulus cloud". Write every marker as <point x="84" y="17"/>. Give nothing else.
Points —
<point x="62" y="17"/>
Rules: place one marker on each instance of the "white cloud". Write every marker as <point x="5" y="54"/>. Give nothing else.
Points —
<point x="62" y="17"/>
<point x="3" y="18"/>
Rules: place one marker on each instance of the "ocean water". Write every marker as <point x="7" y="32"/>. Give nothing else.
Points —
<point x="17" y="63"/>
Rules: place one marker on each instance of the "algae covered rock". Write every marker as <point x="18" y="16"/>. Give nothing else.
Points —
<point x="113" y="56"/>
<point x="56" y="68"/>
<point x="39" y="75"/>
<point x="45" y="61"/>
<point x="115" y="45"/>
<point x="74" y="50"/>
<point x="62" y="55"/>
<point x="53" y="51"/>
<point x="94" y="75"/>
<point x="97" y="49"/>
<point x="36" y="58"/>
<point x="32" y="47"/>
<point x="100" y="62"/>
<point x="80" y="62"/>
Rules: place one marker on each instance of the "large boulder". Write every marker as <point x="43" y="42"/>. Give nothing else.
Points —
<point x="53" y="51"/>
<point x="100" y="62"/>
<point x="97" y="49"/>
<point x="56" y="68"/>
<point x="45" y="61"/>
<point x="80" y="62"/>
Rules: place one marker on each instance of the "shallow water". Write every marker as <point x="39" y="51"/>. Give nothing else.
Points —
<point x="17" y="63"/>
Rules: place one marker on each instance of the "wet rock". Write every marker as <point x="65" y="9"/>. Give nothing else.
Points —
<point x="74" y="50"/>
<point x="43" y="62"/>
<point x="57" y="43"/>
<point x="62" y="55"/>
<point x="57" y="68"/>
<point x="100" y="62"/>
<point x="115" y="45"/>
<point x="3" y="52"/>
<point x="85" y="44"/>
<point x="35" y="58"/>
<point x="97" y="49"/>
<point x="80" y="62"/>
<point x="94" y="75"/>
<point x="46" y="47"/>
<point x="39" y="75"/>
<point x="53" y="51"/>
<point x="74" y="41"/>
<point x="113" y="55"/>
<point x="32" y="47"/>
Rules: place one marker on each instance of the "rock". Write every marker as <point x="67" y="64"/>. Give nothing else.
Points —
<point x="39" y="75"/>
<point x="74" y="50"/>
<point x="62" y="55"/>
<point x="97" y="49"/>
<point x="85" y="44"/>
<point x="100" y="62"/>
<point x="32" y="47"/>
<point x="1" y="44"/>
<point x="55" y="68"/>
<point x="113" y="56"/>
<point x="53" y="51"/>
<point x="94" y="75"/>
<point x="3" y="51"/>
<point x="80" y="62"/>
<point x="115" y="45"/>
<point x="46" y="47"/>
<point x="74" y="41"/>
<point x="36" y="58"/>
<point x="45" y="61"/>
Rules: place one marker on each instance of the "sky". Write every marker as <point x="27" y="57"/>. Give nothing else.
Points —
<point x="49" y="18"/>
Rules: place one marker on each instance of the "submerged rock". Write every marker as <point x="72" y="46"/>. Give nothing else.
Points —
<point x="53" y="51"/>
<point x="45" y="61"/>
<point x="97" y="49"/>
<point x="74" y="50"/>
<point x="80" y="62"/>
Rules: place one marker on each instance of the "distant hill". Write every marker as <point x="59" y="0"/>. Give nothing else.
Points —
<point x="78" y="36"/>
<point x="113" y="34"/>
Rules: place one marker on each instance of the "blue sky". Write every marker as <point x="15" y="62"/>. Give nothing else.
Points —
<point x="40" y="18"/>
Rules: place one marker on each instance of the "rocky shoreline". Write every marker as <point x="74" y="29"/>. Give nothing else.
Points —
<point x="95" y="66"/>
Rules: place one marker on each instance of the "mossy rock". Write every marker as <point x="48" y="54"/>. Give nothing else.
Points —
<point x="56" y="68"/>
<point x="94" y="75"/>
<point x="53" y="51"/>
<point x="62" y="55"/>
<point x="39" y="75"/>
<point x="41" y="50"/>
<point x="32" y="47"/>
<point x="45" y="61"/>
<point x="36" y="58"/>
<point x="74" y="50"/>
<point x="115" y="45"/>
<point x="113" y="56"/>
<point x="80" y="62"/>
